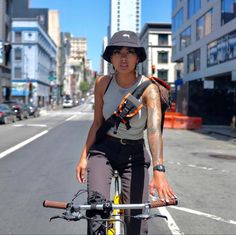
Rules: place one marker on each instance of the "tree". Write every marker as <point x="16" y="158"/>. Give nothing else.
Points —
<point x="84" y="86"/>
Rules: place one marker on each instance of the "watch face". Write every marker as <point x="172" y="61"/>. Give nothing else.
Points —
<point x="159" y="168"/>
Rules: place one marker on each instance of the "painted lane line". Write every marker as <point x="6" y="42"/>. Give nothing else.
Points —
<point x="198" y="167"/>
<point x="70" y="118"/>
<point x="20" y="145"/>
<point x="210" y="216"/>
<point x="30" y="125"/>
<point x="175" y="230"/>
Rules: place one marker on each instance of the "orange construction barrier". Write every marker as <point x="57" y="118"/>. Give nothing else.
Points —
<point x="185" y="122"/>
<point x="169" y="121"/>
<point x="174" y="120"/>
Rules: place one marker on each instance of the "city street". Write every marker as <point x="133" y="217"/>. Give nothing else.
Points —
<point x="38" y="158"/>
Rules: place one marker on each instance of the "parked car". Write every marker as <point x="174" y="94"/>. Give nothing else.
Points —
<point x="68" y="103"/>
<point x="7" y="115"/>
<point x="18" y="108"/>
<point x="32" y="109"/>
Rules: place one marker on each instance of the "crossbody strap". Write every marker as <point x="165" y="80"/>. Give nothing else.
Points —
<point x="108" y="85"/>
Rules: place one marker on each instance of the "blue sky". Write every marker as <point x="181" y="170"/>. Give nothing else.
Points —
<point x="90" y="18"/>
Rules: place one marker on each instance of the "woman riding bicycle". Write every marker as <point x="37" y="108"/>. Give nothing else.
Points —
<point x="124" y="149"/>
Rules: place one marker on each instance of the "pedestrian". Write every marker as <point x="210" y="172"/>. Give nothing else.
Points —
<point x="124" y="149"/>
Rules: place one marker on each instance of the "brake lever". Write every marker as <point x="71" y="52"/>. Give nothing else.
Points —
<point x="147" y="217"/>
<point x="56" y="217"/>
<point x="69" y="217"/>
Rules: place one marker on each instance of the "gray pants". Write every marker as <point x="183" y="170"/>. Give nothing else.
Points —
<point x="132" y="164"/>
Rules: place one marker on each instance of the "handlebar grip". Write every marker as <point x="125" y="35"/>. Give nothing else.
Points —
<point x="160" y="203"/>
<point x="55" y="204"/>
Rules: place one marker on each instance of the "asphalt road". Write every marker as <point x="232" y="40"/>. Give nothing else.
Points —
<point x="38" y="158"/>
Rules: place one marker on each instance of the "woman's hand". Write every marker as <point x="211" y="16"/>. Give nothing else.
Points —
<point x="81" y="170"/>
<point x="160" y="183"/>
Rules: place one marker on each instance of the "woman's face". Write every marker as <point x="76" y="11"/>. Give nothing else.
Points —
<point x="124" y="59"/>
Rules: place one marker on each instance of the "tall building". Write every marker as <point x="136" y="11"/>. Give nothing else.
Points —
<point x="156" y="39"/>
<point x="76" y="64"/>
<point x="5" y="48"/>
<point x="125" y="15"/>
<point x="33" y="60"/>
<point x="204" y="47"/>
<point x="55" y="33"/>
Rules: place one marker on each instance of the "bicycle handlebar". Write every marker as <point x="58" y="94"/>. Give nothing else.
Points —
<point x="153" y="204"/>
<point x="160" y="203"/>
<point x="55" y="204"/>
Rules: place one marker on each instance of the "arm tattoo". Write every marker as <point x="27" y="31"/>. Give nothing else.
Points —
<point x="154" y="125"/>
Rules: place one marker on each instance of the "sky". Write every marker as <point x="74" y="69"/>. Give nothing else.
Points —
<point x="90" y="19"/>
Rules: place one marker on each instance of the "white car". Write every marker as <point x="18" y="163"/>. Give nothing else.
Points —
<point x="67" y="103"/>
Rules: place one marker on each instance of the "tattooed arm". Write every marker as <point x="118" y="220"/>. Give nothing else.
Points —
<point x="159" y="182"/>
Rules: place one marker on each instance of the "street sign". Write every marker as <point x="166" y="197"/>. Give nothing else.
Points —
<point x="52" y="78"/>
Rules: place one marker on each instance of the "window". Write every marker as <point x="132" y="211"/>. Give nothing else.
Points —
<point x="193" y="61"/>
<point x="222" y="49"/>
<point x="18" y="37"/>
<point x="162" y="57"/>
<point x="178" y="19"/>
<point x="163" y="39"/>
<point x="185" y="38"/>
<point x="18" y="54"/>
<point x="228" y="10"/>
<point x="204" y="25"/>
<point x="174" y="46"/>
<point x="175" y="3"/>
<point x="193" y="7"/>
<point x="162" y="74"/>
<point x="18" y="72"/>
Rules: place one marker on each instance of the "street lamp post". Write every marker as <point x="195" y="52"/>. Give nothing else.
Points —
<point x="26" y="78"/>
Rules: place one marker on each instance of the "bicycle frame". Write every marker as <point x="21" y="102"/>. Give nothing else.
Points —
<point x="116" y="225"/>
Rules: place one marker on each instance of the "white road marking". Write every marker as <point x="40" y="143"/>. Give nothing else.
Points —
<point x="20" y="145"/>
<point x="70" y="118"/>
<point x="210" y="216"/>
<point x="197" y="167"/>
<point x="175" y="230"/>
<point x="29" y="125"/>
<point x="170" y="222"/>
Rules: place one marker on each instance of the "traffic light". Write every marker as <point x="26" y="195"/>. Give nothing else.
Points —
<point x="153" y="69"/>
<point x="95" y="74"/>
<point x="30" y="87"/>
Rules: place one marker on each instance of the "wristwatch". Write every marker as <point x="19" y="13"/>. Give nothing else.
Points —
<point x="159" y="167"/>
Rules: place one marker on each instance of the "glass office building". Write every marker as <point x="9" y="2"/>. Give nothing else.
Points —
<point x="204" y="43"/>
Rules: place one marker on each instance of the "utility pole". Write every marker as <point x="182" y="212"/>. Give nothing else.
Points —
<point x="26" y="78"/>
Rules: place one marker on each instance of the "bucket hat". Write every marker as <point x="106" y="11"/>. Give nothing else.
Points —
<point x="124" y="38"/>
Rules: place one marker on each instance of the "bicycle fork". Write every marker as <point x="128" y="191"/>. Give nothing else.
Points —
<point x="116" y="225"/>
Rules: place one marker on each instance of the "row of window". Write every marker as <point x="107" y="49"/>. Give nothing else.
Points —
<point x="192" y="7"/>
<point x="203" y="28"/>
<point x="219" y="51"/>
<point x="228" y="13"/>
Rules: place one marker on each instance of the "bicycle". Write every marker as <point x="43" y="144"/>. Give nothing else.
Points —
<point x="114" y="224"/>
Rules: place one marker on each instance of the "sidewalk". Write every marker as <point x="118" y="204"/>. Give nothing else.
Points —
<point x="220" y="130"/>
<point x="44" y="110"/>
